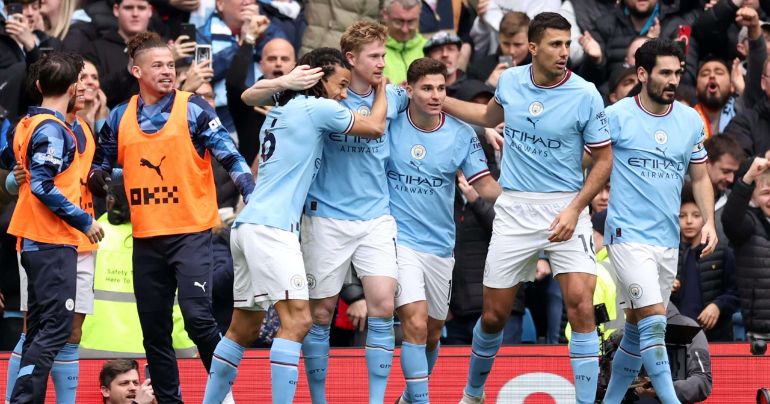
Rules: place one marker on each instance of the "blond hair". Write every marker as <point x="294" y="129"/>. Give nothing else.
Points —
<point x="61" y="26"/>
<point x="362" y="33"/>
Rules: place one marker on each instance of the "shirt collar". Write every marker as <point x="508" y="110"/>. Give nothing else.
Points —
<point x="43" y="110"/>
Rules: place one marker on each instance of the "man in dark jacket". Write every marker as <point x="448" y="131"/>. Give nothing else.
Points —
<point x="613" y="33"/>
<point x="751" y="128"/>
<point x="748" y="229"/>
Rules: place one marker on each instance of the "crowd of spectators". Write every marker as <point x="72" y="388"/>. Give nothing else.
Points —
<point x="726" y="79"/>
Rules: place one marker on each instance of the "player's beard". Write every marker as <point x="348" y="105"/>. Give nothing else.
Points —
<point x="657" y="95"/>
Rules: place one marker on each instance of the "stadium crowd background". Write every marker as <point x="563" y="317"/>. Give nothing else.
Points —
<point x="727" y="80"/>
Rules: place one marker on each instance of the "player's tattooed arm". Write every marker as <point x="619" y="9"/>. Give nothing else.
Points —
<point x="263" y="92"/>
<point x="373" y="125"/>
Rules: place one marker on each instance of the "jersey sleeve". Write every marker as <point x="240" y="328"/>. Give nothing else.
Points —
<point x="398" y="100"/>
<point x="501" y="86"/>
<point x="699" y="154"/>
<point x="596" y="132"/>
<point x="474" y="162"/>
<point x="331" y="116"/>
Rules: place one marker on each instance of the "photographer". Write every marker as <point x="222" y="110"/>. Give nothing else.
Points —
<point x="696" y="387"/>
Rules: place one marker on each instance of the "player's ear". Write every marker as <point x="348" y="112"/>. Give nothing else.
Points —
<point x="409" y="90"/>
<point x="350" y="57"/>
<point x="532" y="48"/>
<point x="641" y="74"/>
<point x="136" y="71"/>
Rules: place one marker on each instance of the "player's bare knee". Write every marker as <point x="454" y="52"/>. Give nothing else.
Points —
<point x="493" y="321"/>
<point x="382" y="308"/>
<point x="322" y="315"/>
<point x="415" y="328"/>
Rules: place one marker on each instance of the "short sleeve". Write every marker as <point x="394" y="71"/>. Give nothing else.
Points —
<point x="474" y="162"/>
<point x="502" y="84"/>
<point x="398" y="100"/>
<point x="699" y="154"/>
<point x="331" y="116"/>
<point x="596" y="132"/>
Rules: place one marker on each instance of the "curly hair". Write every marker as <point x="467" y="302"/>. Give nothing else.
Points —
<point x="327" y="59"/>
<point x="144" y="41"/>
<point x="362" y="33"/>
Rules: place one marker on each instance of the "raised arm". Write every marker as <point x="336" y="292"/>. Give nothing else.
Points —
<point x="488" y="116"/>
<point x="261" y="93"/>
<point x="373" y="125"/>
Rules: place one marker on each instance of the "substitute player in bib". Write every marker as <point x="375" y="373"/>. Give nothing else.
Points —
<point x="550" y="115"/>
<point x="266" y="252"/>
<point x="163" y="139"/>
<point x="347" y="218"/>
<point x="65" y="369"/>
<point x="47" y="219"/>
<point x="427" y="148"/>
<point x="656" y="142"/>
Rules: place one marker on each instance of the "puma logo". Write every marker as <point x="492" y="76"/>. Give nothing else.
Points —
<point x="662" y="151"/>
<point x="203" y="286"/>
<point x="533" y="122"/>
<point x="148" y="164"/>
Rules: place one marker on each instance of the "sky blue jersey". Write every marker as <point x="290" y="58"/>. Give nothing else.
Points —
<point x="292" y="142"/>
<point x="351" y="183"/>
<point x="546" y="129"/>
<point x="421" y="177"/>
<point x="651" y="156"/>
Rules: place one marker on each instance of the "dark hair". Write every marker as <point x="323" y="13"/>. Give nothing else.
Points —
<point x="423" y="67"/>
<point x="546" y="20"/>
<point x="55" y="72"/>
<point x="647" y="54"/>
<point x="719" y="145"/>
<point x="687" y="195"/>
<point x="712" y="58"/>
<point x="143" y="41"/>
<point x="327" y="59"/>
<point x="114" y="368"/>
<point x="513" y="22"/>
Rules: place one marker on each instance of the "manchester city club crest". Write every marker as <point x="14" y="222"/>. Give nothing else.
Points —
<point x="418" y="152"/>
<point x="298" y="282"/>
<point x="363" y="110"/>
<point x="635" y="291"/>
<point x="310" y="281"/>
<point x="536" y="108"/>
<point x="661" y="137"/>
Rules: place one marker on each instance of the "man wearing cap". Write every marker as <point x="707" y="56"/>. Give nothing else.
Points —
<point x="445" y="47"/>
<point x="622" y="80"/>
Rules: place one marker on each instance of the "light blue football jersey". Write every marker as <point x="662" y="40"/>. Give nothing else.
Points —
<point x="421" y="176"/>
<point x="291" y="142"/>
<point x="351" y="183"/>
<point x="651" y="155"/>
<point x="546" y="129"/>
